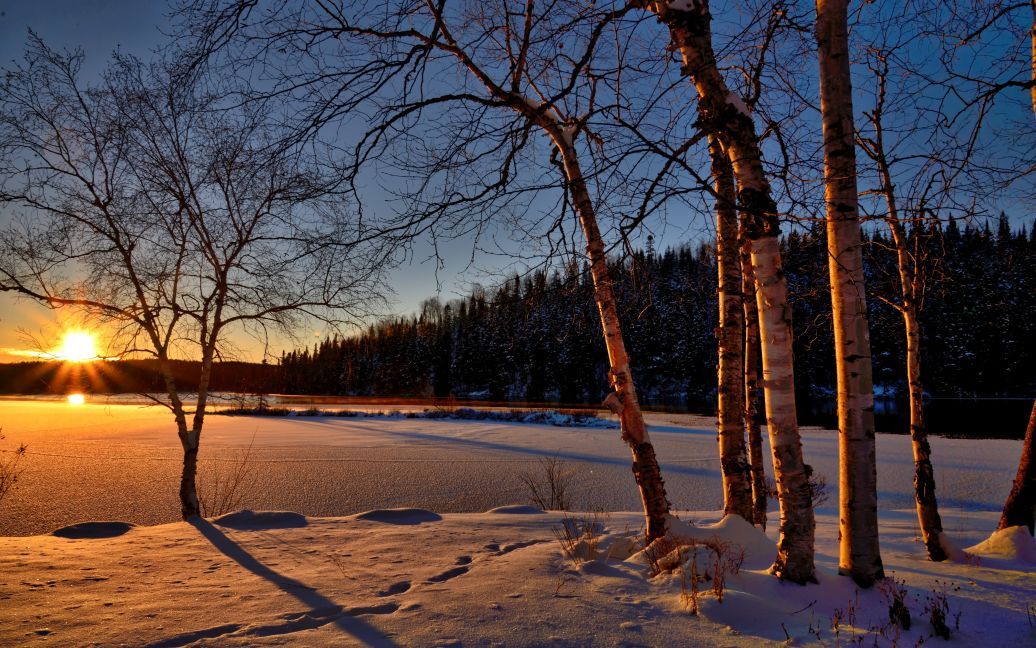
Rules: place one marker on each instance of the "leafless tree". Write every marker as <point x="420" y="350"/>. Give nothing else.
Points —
<point x="482" y="111"/>
<point x="170" y="216"/>
<point x="936" y="139"/>
<point x="859" y="555"/>
<point x="733" y="454"/>
<point x="726" y="116"/>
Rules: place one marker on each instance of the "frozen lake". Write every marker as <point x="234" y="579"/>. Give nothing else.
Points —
<point x="121" y="462"/>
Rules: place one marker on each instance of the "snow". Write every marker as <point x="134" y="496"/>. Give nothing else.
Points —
<point x="464" y="579"/>
<point x="109" y="462"/>
<point x="684" y="5"/>
<point x="93" y="530"/>
<point x="738" y="105"/>
<point x="1013" y="544"/>
<point x="417" y="533"/>
<point x="246" y="520"/>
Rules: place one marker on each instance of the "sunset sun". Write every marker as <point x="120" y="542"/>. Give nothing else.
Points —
<point x="77" y="346"/>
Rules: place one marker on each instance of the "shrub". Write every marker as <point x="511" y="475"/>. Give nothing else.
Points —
<point x="10" y="467"/>
<point x="548" y="487"/>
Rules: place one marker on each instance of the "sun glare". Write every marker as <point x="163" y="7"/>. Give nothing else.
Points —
<point x="77" y="346"/>
<point x="76" y="399"/>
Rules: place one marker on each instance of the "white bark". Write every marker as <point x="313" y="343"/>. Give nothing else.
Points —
<point x="691" y="33"/>
<point x="859" y="554"/>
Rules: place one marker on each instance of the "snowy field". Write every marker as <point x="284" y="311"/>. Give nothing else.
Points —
<point x="461" y="575"/>
<point x="97" y="462"/>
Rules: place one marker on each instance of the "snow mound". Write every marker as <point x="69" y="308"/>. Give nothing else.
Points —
<point x="733" y="529"/>
<point x="247" y="520"/>
<point x="399" y="516"/>
<point x="517" y="509"/>
<point x="760" y="551"/>
<point x="1013" y="543"/>
<point x="93" y="530"/>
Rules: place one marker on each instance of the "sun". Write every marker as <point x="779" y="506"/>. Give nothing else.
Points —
<point x="77" y="346"/>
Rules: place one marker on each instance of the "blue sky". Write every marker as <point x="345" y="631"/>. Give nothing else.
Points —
<point x="100" y="26"/>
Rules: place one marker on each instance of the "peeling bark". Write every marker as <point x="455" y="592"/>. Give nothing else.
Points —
<point x="859" y="554"/>
<point x="725" y="116"/>
<point x="924" y="474"/>
<point x="751" y="357"/>
<point x="737" y="485"/>
<point x="646" y="470"/>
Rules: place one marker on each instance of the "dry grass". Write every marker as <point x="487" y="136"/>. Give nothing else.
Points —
<point x="548" y="487"/>
<point x="10" y="467"/>
<point x="895" y="594"/>
<point x="817" y="489"/>
<point x="580" y="537"/>
<point x="700" y="562"/>
<point x="224" y="490"/>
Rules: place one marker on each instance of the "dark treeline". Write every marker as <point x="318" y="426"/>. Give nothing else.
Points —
<point x="129" y="376"/>
<point x="536" y="338"/>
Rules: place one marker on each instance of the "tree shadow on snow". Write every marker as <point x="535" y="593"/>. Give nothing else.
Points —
<point x="667" y="467"/>
<point x="322" y="610"/>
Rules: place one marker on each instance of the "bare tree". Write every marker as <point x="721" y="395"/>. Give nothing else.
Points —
<point x="911" y="296"/>
<point x="502" y="77"/>
<point x="760" y="495"/>
<point x="733" y="456"/>
<point x="859" y="555"/>
<point x="169" y="218"/>
<point x="725" y="115"/>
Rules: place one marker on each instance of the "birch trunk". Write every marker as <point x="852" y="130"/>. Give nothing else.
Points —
<point x="910" y="286"/>
<point x="924" y="474"/>
<point x="737" y="485"/>
<point x="752" y="428"/>
<point x="623" y="401"/>
<point x="189" y="505"/>
<point x="1020" y="507"/>
<point x="726" y="117"/>
<point x="859" y="554"/>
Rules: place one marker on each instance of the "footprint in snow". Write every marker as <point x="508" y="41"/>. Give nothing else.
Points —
<point x="395" y="588"/>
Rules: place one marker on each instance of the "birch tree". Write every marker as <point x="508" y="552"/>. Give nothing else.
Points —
<point x="859" y="555"/>
<point x="750" y="315"/>
<point x="911" y="293"/>
<point x="504" y="79"/>
<point x="934" y="144"/>
<point x="725" y="116"/>
<point x="168" y="221"/>
<point x="737" y="484"/>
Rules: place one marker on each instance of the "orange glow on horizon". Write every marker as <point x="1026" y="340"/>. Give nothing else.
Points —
<point x="76" y="399"/>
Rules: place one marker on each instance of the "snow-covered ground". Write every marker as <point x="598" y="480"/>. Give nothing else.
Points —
<point x="97" y="462"/>
<point x="457" y="576"/>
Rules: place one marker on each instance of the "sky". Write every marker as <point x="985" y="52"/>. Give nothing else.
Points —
<point x="135" y="27"/>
